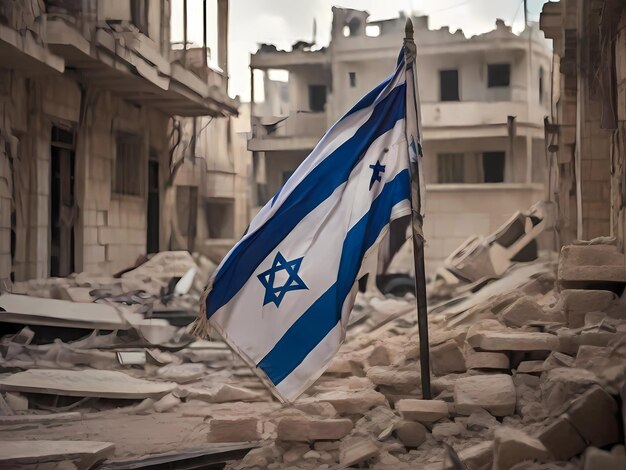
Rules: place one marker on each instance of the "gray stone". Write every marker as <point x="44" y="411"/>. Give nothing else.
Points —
<point x="424" y="411"/>
<point x="594" y="416"/>
<point x="523" y="311"/>
<point x="447" y="358"/>
<point x="596" y="459"/>
<point x="561" y="439"/>
<point x="353" y="401"/>
<point x="512" y="446"/>
<point x="411" y="433"/>
<point x="311" y="429"/>
<point x="494" y="393"/>
<point x="234" y="430"/>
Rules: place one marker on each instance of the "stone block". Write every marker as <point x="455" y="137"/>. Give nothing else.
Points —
<point x="447" y="358"/>
<point x="486" y="360"/>
<point x="380" y="356"/>
<point x="412" y="434"/>
<point x="494" y="393"/>
<point x="401" y="380"/>
<point x="524" y="310"/>
<point x="561" y="439"/>
<point x="303" y="429"/>
<point x="513" y="341"/>
<point x="594" y="415"/>
<point x="424" y="411"/>
<point x="356" y="451"/>
<point x="560" y="385"/>
<point x="576" y="303"/>
<point x="353" y="401"/>
<point x="512" y="446"/>
<point x="234" y="430"/>
<point x="16" y="401"/>
<point x="589" y="264"/>
<point x="530" y="367"/>
<point x="596" y="459"/>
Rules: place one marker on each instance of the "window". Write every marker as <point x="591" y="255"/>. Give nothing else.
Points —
<point x="540" y="84"/>
<point x="139" y="15"/>
<point x="352" y="76"/>
<point x="127" y="166"/>
<point x="450" y="168"/>
<point x="449" y="85"/>
<point x="493" y="167"/>
<point x="317" y="97"/>
<point x="498" y="75"/>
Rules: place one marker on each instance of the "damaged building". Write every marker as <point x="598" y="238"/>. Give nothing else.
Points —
<point x="92" y="97"/>
<point x="483" y="101"/>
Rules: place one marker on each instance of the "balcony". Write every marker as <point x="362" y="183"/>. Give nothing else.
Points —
<point x="298" y="131"/>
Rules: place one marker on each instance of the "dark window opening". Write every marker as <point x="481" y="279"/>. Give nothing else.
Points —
<point x="139" y="15"/>
<point x="493" y="167"/>
<point x="451" y="168"/>
<point x="153" y="223"/>
<point x="498" y="75"/>
<point x="352" y="76"/>
<point x="449" y="85"/>
<point x="127" y="172"/>
<point x="317" y="97"/>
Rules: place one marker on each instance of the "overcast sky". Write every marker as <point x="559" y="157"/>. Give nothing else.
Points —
<point x="283" y="22"/>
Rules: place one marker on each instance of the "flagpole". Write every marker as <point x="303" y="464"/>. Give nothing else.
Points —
<point x="410" y="53"/>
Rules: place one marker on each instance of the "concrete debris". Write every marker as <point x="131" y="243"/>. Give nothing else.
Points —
<point x="84" y="454"/>
<point x="512" y="446"/>
<point x="523" y="376"/>
<point x="494" y="393"/>
<point x="424" y="411"/>
<point x="587" y="266"/>
<point x="599" y="459"/>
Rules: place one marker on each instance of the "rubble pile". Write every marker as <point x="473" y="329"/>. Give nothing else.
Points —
<point x="527" y="373"/>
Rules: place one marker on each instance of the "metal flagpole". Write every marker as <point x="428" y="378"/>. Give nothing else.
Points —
<point x="410" y="53"/>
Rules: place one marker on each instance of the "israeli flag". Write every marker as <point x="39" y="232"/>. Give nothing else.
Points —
<point x="282" y="296"/>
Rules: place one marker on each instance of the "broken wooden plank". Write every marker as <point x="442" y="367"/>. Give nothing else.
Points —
<point x="84" y="383"/>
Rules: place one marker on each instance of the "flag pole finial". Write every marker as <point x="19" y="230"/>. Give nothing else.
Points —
<point x="408" y="29"/>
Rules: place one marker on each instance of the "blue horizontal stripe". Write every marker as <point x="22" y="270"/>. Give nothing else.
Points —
<point x="311" y="328"/>
<point x="319" y="184"/>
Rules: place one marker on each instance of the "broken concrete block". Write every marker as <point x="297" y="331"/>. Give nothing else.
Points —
<point x="303" y="429"/>
<point x="166" y="403"/>
<point x="443" y="431"/>
<point x="447" y="358"/>
<point x="486" y="360"/>
<point x="353" y="402"/>
<point x="234" y="430"/>
<point x="561" y="439"/>
<point x="478" y="456"/>
<point x="513" y="341"/>
<point x="412" y="434"/>
<point x="323" y="409"/>
<point x="380" y="356"/>
<point x="512" y="446"/>
<point x="530" y="367"/>
<point x="581" y="265"/>
<point x="594" y="416"/>
<point x="182" y="373"/>
<point x="523" y="311"/>
<point x="576" y="303"/>
<point x="494" y="393"/>
<point x="23" y="454"/>
<point x="424" y="411"/>
<point x="560" y="385"/>
<point x="596" y="459"/>
<point x="16" y="401"/>
<point x="295" y="452"/>
<point x="377" y="421"/>
<point x="403" y="381"/>
<point x="358" y="450"/>
<point x="480" y="420"/>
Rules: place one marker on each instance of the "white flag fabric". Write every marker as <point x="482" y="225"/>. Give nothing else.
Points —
<point x="282" y="296"/>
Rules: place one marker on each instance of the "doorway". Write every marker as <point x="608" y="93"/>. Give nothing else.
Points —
<point x="152" y="225"/>
<point x="62" y="204"/>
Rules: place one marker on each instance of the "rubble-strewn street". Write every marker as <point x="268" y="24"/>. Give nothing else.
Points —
<point x="529" y="378"/>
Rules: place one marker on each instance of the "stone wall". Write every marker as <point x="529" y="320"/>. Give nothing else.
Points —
<point x="618" y="205"/>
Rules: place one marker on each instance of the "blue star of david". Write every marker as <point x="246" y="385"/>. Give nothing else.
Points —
<point x="377" y="169"/>
<point x="294" y="282"/>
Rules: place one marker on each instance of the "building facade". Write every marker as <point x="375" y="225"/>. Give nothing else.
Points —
<point x="588" y="132"/>
<point x="483" y="102"/>
<point x="90" y="94"/>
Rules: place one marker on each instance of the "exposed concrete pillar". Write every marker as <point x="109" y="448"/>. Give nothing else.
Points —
<point x="222" y="35"/>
